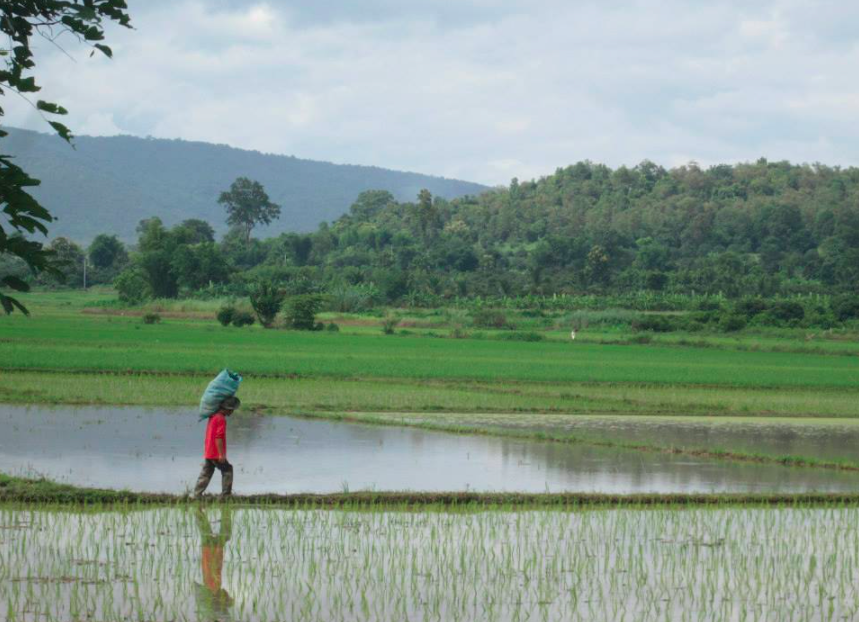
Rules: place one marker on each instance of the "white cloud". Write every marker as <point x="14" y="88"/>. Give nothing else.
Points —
<point x="477" y="89"/>
<point x="99" y="124"/>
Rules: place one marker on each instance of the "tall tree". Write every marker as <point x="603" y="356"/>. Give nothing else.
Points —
<point x="20" y="20"/>
<point x="428" y="216"/>
<point x="69" y="258"/>
<point x="248" y="205"/>
<point x="196" y="231"/>
<point x="369" y="203"/>
<point x="106" y="251"/>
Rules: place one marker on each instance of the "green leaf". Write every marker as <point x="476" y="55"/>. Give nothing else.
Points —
<point x="26" y="85"/>
<point x="64" y="132"/>
<point x="10" y="304"/>
<point x="86" y="13"/>
<point x="15" y="283"/>
<point x="104" y="50"/>
<point x="93" y="33"/>
<point x="51" y="108"/>
<point x="76" y="25"/>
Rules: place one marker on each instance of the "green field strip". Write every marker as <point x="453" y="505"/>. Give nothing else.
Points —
<point x="41" y="493"/>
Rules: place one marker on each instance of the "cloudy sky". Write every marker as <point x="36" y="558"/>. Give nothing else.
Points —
<point x="483" y="90"/>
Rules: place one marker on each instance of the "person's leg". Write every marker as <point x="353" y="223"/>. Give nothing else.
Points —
<point x="205" y="477"/>
<point x="226" y="470"/>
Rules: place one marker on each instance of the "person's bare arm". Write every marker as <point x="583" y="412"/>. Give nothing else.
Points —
<point x="222" y="455"/>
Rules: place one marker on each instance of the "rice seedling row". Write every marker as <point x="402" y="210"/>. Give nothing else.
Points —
<point x="722" y="563"/>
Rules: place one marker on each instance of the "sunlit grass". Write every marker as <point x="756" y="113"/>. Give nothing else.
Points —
<point x="90" y="343"/>
<point x="405" y="395"/>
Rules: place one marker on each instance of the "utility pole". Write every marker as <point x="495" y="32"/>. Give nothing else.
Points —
<point x="85" y="272"/>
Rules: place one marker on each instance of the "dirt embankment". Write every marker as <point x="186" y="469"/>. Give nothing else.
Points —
<point x="21" y="490"/>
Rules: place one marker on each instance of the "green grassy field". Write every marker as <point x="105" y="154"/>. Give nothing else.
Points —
<point x="75" y="350"/>
<point x="290" y="394"/>
<point x="108" y="343"/>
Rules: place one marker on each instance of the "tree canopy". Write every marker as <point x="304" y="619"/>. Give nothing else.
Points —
<point x="248" y="205"/>
<point x="755" y="229"/>
<point x="20" y="20"/>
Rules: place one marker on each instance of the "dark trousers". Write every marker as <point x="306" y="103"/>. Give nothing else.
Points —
<point x="209" y="467"/>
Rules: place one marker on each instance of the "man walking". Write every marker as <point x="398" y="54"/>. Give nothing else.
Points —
<point x="215" y="450"/>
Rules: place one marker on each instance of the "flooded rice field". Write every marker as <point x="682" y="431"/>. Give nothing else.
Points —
<point x="823" y="439"/>
<point x="273" y="564"/>
<point x="160" y="451"/>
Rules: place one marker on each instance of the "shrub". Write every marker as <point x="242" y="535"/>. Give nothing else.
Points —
<point x="732" y="322"/>
<point x="490" y="318"/>
<point x="702" y="318"/>
<point x="583" y="318"/>
<point x="820" y="316"/>
<point x="389" y="323"/>
<point x="459" y="333"/>
<point x="226" y="314"/>
<point x="266" y="300"/>
<point x="708" y="304"/>
<point x="846" y="308"/>
<point x="332" y="328"/>
<point x="353" y="298"/>
<point x="787" y="311"/>
<point x="301" y="312"/>
<point x="655" y="280"/>
<point x="151" y="318"/>
<point x="533" y="313"/>
<point x="521" y="336"/>
<point x="243" y="318"/>
<point x="653" y="323"/>
<point x="132" y="287"/>
<point x="750" y="307"/>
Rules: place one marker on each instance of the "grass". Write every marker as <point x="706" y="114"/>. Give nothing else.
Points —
<point x="41" y="491"/>
<point x="86" y="343"/>
<point x="272" y="394"/>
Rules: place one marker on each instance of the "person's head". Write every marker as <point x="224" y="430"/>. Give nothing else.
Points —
<point x="230" y="404"/>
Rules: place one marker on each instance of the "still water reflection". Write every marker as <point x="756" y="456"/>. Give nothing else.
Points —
<point x="160" y="450"/>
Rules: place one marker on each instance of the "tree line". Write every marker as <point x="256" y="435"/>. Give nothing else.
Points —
<point x="755" y="229"/>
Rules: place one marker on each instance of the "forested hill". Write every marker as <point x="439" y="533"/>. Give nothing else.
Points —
<point x="109" y="184"/>
<point x="757" y="228"/>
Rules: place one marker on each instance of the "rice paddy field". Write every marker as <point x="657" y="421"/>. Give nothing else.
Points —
<point x="782" y="399"/>
<point x="193" y="563"/>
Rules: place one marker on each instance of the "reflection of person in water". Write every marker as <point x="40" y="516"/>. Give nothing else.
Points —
<point x="213" y="601"/>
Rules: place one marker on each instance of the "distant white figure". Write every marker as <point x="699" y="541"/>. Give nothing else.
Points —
<point x="572" y="334"/>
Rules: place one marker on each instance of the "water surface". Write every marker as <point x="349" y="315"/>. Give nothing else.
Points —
<point x="815" y="437"/>
<point x="145" y="449"/>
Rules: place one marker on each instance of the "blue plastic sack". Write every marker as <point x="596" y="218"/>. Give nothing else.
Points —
<point x="223" y="386"/>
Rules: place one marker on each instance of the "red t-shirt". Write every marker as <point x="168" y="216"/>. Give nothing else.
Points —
<point x="217" y="428"/>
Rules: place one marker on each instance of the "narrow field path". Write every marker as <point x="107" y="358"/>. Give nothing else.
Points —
<point x="14" y="490"/>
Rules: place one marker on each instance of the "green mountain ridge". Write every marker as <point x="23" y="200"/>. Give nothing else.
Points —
<point x="109" y="184"/>
<point x="757" y="228"/>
